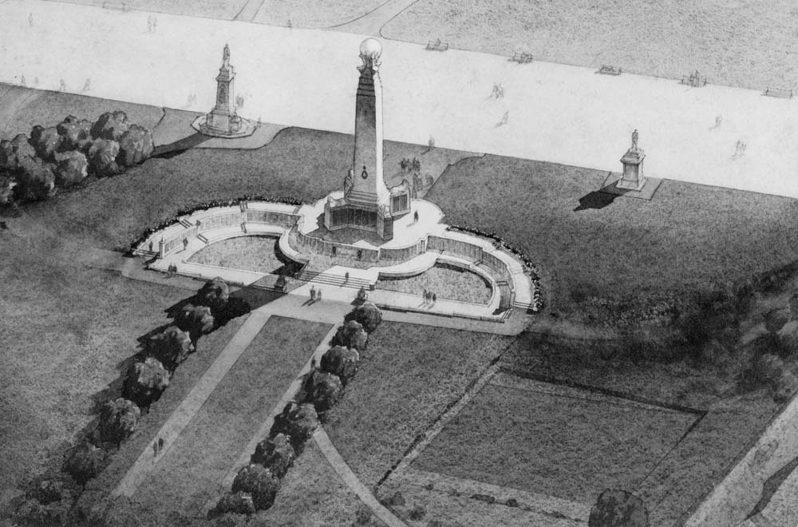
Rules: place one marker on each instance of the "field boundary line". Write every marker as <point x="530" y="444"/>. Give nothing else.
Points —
<point x="424" y="439"/>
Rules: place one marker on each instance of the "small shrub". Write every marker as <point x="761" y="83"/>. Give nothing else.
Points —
<point x="618" y="508"/>
<point x="85" y="462"/>
<point x="785" y="387"/>
<point x="276" y="454"/>
<point x="110" y="126"/>
<point x="259" y="482"/>
<point x="196" y="320"/>
<point x="145" y="381"/>
<point x="323" y="390"/>
<point x="102" y="156"/>
<point x="351" y="335"/>
<point x="75" y="134"/>
<point x="214" y="294"/>
<point x="118" y="419"/>
<point x="171" y="347"/>
<point x="235" y="502"/>
<point x="367" y="314"/>
<point x="342" y="362"/>
<point x="71" y="168"/>
<point x="417" y="513"/>
<point x="298" y="422"/>
<point x="135" y="146"/>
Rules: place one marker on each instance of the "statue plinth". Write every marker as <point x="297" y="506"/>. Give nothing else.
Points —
<point x="632" y="177"/>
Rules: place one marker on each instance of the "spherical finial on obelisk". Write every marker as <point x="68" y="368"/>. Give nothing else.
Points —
<point x="370" y="52"/>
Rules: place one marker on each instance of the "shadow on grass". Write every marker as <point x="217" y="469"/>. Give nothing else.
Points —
<point x="596" y="200"/>
<point x="180" y="146"/>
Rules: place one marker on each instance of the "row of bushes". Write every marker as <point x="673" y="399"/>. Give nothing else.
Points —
<point x="34" y="167"/>
<point x="255" y="486"/>
<point x="50" y="500"/>
<point x="287" y="200"/>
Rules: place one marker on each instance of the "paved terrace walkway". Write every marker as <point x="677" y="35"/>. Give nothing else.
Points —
<point x="307" y="78"/>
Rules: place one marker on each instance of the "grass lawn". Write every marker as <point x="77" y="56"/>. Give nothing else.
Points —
<point x="190" y="472"/>
<point x="446" y="282"/>
<point x="564" y="442"/>
<point x="408" y="376"/>
<point x="23" y="108"/>
<point x="618" y="262"/>
<point x="703" y="457"/>
<point x="747" y="43"/>
<point x="250" y="253"/>
<point x="313" y="494"/>
<point x="67" y="332"/>
<point x="313" y="13"/>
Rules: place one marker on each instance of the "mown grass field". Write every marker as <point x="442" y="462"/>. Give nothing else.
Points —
<point x="614" y="262"/>
<point x="747" y="43"/>
<point x="67" y="332"/>
<point x="251" y="253"/>
<point x="190" y="472"/>
<point x="565" y="443"/>
<point x="408" y="377"/>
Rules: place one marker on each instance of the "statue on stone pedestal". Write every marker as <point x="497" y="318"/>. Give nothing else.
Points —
<point x="635" y="136"/>
<point x="348" y="180"/>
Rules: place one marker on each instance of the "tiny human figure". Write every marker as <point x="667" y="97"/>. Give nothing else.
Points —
<point x="290" y="25"/>
<point x="312" y="293"/>
<point x="155" y="448"/>
<point x="62" y="85"/>
<point x="312" y="363"/>
<point x="346" y="277"/>
<point x="30" y="19"/>
<point x="154" y="23"/>
<point x="434" y="298"/>
<point x="739" y="149"/>
<point x="160" y="444"/>
<point x="150" y="245"/>
<point x="425" y="296"/>
<point x="415" y="216"/>
<point x="22" y="80"/>
<point x="505" y="119"/>
<point x="87" y="85"/>
<point x="718" y="120"/>
<point x="318" y="295"/>
<point x="185" y="243"/>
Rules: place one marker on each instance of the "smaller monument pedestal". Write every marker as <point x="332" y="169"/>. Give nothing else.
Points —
<point x="632" y="182"/>
<point x="223" y="121"/>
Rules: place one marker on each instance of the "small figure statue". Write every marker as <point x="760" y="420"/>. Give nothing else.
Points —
<point x="348" y="181"/>
<point x="226" y="56"/>
<point x="635" y="136"/>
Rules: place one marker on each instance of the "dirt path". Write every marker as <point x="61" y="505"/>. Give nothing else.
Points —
<point x="372" y="22"/>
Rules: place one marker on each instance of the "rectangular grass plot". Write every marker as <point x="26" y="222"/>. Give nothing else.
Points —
<point x="565" y="442"/>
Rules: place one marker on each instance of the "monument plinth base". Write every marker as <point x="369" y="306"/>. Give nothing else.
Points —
<point x="242" y="128"/>
<point x="644" y="189"/>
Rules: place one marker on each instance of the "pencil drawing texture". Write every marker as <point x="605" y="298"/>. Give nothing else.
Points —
<point x="398" y="263"/>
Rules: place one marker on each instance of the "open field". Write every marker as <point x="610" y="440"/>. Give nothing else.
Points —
<point x="221" y="9"/>
<point x="192" y="469"/>
<point x="250" y="253"/>
<point x="67" y="333"/>
<point x="446" y="282"/>
<point x="748" y="43"/>
<point x="561" y="442"/>
<point x="733" y="418"/>
<point x="615" y="261"/>
<point x="408" y="377"/>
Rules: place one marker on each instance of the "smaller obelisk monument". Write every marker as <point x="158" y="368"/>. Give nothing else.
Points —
<point x="632" y="177"/>
<point x="223" y="121"/>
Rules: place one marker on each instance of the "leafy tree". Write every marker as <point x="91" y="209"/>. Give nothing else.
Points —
<point x="85" y="462"/>
<point x="7" y="186"/>
<point x="145" y="381"/>
<point x="259" y="482"/>
<point x="298" y="422"/>
<point x="171" y="347"/>
<point x="323" y="390"/>
<point x="102" y="157"/>
<point x="71" y="168"/>
<point x="214" y="294"/>
<point x="75" y="134"/>
<point x="45" y="141"/>
<point x="618" y="508"/>
<point x="135" y="146"/>
<point x="197" y="320"/>
<point x="118" y="419"/>
<point x="235" y="502"/>
<point x="367" y="314"/>
<point x="342" y="362"/>
<point x="351" y="335"/>
<point x="110" y="126"/>
<point x="276" y="454"/>
<point x="35" y="179"/>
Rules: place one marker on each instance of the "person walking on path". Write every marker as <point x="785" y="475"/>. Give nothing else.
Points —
<point x="155" y="448"/>
<point x="434" y="298"/>
<point x="318" y="295"/>
<point x="312" y="294"/>
<point x="160" y="444"/>
<point x="426" y="296"/>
